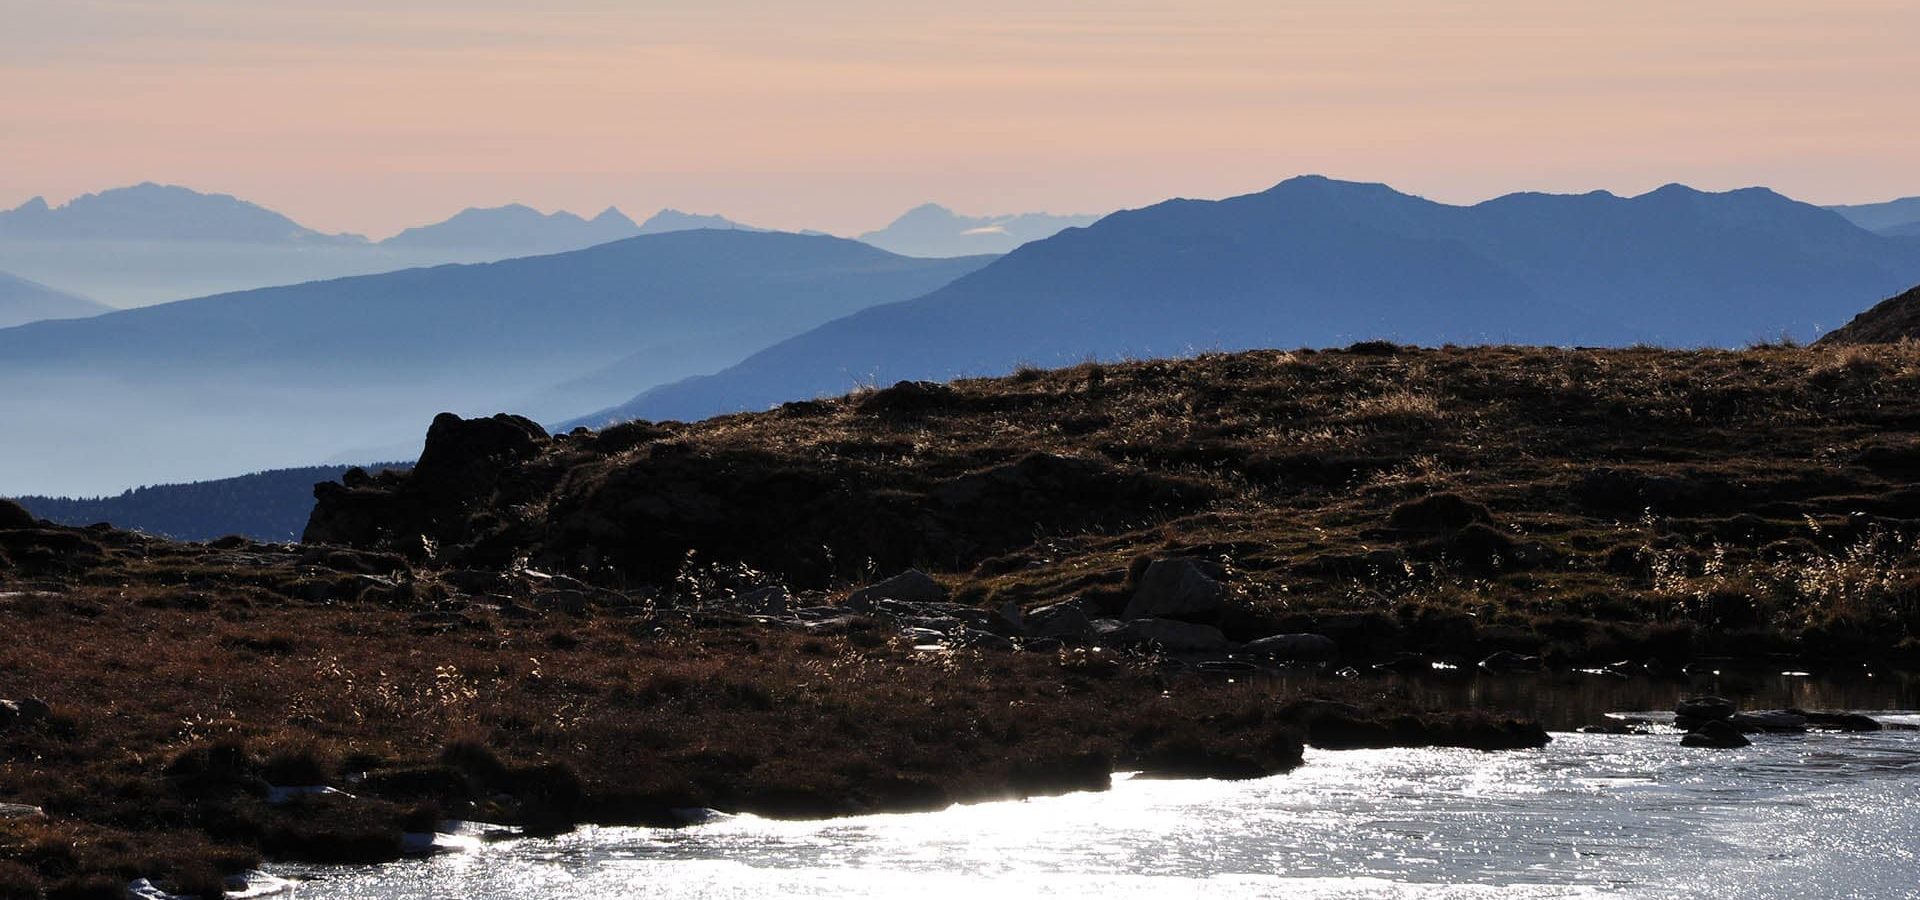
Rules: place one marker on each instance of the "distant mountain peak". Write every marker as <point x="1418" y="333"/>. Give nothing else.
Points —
<point x="612" y="216"/>
<point x="671" y="219"/>
<point x="150" y="211"/>
<point x="934" y="230"/>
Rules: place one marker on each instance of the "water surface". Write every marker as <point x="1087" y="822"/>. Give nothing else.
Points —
<point x="1827" y="815"/>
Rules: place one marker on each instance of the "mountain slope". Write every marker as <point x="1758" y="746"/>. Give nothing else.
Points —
<point x="1888" y="322"/>
<point x="1318" y="262"/>
<point x="287" y="376"/>
<point x="934" y="230"/>
<point x="23" y="301"/>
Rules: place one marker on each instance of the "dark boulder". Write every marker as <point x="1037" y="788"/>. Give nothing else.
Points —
<point x="1693" y="711"/>
<point x="1438" y="512"/>
<point x="460" y="450"/>
<point x="908" y="398"/>
<point x="1769" y="721"/>
<point x="1838" y="721"/>
<point x="1061" y="621"/>
<point x="1176" y="588"/>
<point x="911" y="586"/>
<point x="1504" y="661"/>
<point x="1715" y="734"/>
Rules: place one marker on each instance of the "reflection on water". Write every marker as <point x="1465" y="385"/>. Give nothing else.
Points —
<point x="1827" y="815"/>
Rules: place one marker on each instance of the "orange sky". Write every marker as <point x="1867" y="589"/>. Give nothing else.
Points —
<point x="838" y="114"/>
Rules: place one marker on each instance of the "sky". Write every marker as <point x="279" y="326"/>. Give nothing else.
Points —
<point x="372" y="115"/>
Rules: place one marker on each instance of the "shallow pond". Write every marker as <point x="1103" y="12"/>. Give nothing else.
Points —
<point x="1826" y="815"/>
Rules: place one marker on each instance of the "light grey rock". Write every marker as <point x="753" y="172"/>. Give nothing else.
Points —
<point x="1175" y="587"/>
<point x="19" y="811"/>
<point x="1295" y="647"/>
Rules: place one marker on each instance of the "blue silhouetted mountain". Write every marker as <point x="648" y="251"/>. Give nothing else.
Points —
<point x="674" y="220"/>
<point x="23" y="301"/>
<point x="1898" y="217"/>
<point x="518" y="230"/>
<point x="265" y="506"/>
<point x="1315" y="262"/>
<point x="934" y="230"/>
<point x="159" y="212"/>
<point x="293" y="375"/>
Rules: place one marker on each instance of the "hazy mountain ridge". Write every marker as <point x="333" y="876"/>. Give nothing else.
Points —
<point x="1318" y="262"/>
<point x="286" y="376"/>
<point x="23" y="301"/>
<point x="151" y="243"/>
<point x="934" y="230"/>
<point x="1901" y="217"/>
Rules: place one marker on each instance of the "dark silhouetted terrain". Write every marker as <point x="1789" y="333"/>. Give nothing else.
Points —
<point x="264" y="506"/>
<point x="1890" y="321"/>
<point x="1315" y="262"/>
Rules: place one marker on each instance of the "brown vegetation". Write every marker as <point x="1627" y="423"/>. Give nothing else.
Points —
<point x="546" y="631"/>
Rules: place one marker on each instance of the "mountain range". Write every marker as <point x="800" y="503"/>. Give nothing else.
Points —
<point x="288" y="376"/>
<point x="150" y="243"/>
<point x="23" y="301"/>
<point x="1899" y="218"/>
<point x="934" y="230"/>
<point x="1317" y="262"/>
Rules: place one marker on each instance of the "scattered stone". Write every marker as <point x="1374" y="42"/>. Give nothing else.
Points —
<point x="1769" y="721"/>
<point x="767" y="601"/>
<point x="1295" y="647"/>
<point x="1438" y="512"/>
<point x="1503" y="661"/>
<point x="1838" y="721"/>
<point x="1063" y="621"/>
<point x="911" y="586"/>
<point x="22" y="713"/>
<point x="1693" y="711"/>
<point x="1172" y="588"/>
<point x="572" y="603"/>
<point x="1169" y="634"/>
<point x="1715" y="734"/>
